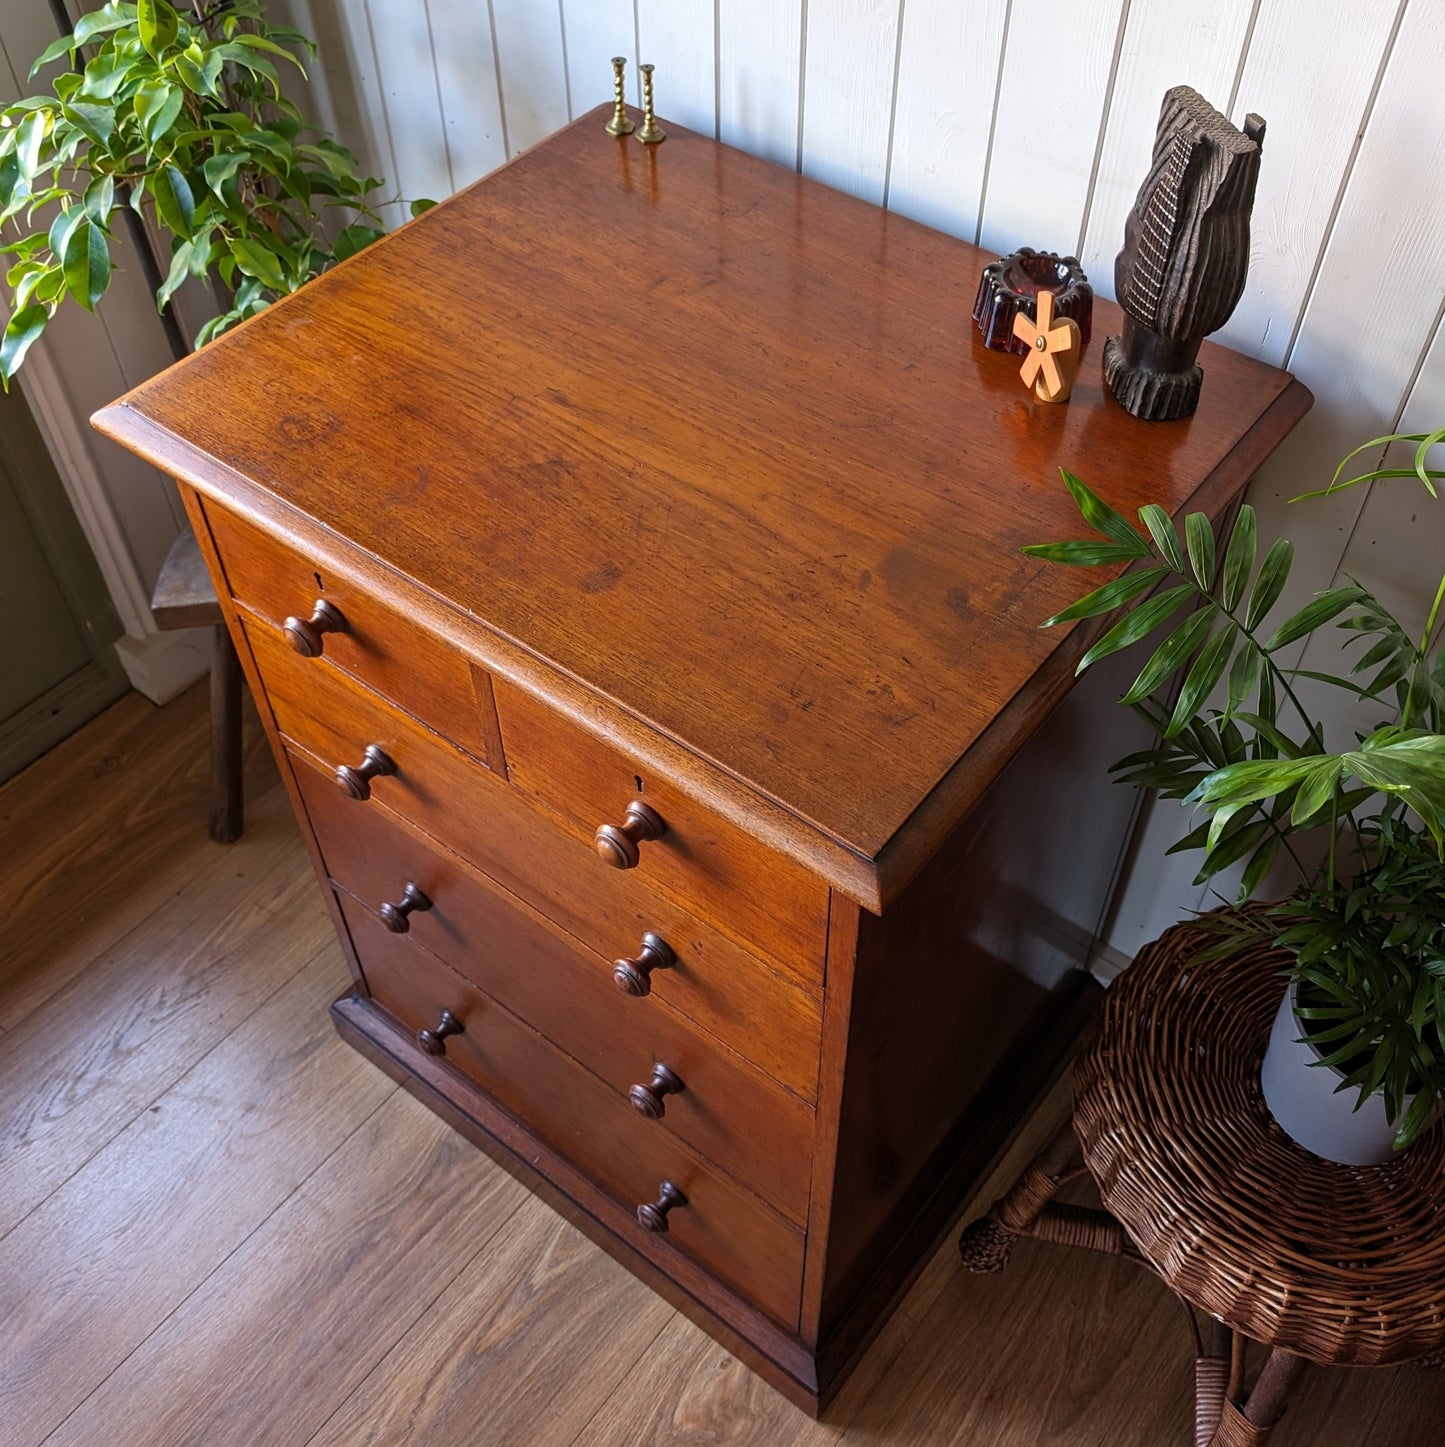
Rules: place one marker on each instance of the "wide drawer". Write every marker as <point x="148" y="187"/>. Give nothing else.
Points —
<point x="373" y="642"/>
<point x="375" y="854"/>
<point x="749" y="891"/>
<point x="709" y="1097"/>
<point x="723" y="1226"/>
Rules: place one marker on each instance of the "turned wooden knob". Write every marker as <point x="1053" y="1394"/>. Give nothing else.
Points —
<point x="652" y="1215"/>
<point x="648" y="1099"/>
<point x="374" y="763"/>
<point x="305" y="634"/>
<point x="617" y="843"/>
<point x="394" y="916"/>
<point x="634" y="976"/>
<point x="434" y="1042"/>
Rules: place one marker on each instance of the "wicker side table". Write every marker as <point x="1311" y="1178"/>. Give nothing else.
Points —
<point x="1319" y="1262"/>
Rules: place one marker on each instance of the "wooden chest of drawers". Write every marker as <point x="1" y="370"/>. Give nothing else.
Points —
<point x="625" y="559"/>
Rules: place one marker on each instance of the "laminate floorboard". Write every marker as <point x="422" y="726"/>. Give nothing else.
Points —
<point x="220" y="1226"/>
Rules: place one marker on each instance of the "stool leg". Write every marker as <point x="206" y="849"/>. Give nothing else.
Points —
<point x="1251" y="1424"/>
<point x="985" y="1244"/>
<point x="226" y="801"/>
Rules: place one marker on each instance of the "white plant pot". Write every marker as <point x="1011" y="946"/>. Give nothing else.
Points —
<point x="1302" y="1098"/>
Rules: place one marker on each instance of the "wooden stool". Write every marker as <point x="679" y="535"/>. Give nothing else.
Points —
<point x="1319" y="1262"/>
<point x="184" y="597"/>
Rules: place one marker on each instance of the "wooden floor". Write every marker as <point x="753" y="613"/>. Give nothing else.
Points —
<point x="219" y="1225"/>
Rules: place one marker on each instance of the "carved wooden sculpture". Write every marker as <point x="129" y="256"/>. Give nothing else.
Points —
<point x="1185" y="256"/>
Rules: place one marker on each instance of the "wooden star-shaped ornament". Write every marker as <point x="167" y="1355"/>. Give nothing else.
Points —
<point x="1053" y="357"/>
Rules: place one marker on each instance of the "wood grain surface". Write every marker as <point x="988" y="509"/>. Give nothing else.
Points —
<point x="786" y="554"/>
<point x="397" y="1265"/>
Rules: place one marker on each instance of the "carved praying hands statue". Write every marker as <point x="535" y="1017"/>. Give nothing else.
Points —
<point x="1185" y="256"/>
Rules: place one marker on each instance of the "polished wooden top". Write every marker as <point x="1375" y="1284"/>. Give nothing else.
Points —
<point x="717" y="441"/>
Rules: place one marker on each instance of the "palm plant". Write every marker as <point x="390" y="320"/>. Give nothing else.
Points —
<point x="1366" y="926"/>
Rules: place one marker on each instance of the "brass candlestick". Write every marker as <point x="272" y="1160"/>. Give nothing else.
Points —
<point x="621" y="122"/>
<point x="651" y="133"/>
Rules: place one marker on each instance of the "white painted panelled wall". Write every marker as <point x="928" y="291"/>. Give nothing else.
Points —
<point x="1011" y="122"/>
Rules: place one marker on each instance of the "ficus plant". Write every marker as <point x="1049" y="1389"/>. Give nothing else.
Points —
<point x="178" y="113"/>
<point x="1235" y="739"/>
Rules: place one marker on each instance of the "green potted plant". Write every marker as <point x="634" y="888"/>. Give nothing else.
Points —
<point x="1365" y="926"/>
<point x="178" y="114"/>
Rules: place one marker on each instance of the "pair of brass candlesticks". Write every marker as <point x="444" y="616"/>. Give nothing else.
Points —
<point x="651" y="133"/>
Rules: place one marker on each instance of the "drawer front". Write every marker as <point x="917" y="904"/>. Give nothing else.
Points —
<point x="725" y="1108"/>
<point x="722" y="1226"/>
<point x="494" y="827"/>
<point x="750" y="892"/>
<point x="372" y="642"/>
<point x="375" y="855"/>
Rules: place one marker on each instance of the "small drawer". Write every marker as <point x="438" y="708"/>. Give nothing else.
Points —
<point x="705" y="1095"/>
<point x="722" y="1225"/>
<point x="374" y="854"/>
<point x="747" y="890"/>
<point x="358" y="632"/>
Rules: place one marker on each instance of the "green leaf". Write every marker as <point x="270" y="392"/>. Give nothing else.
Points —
<point x="255" y="260"/>
<point x="1161" y="529"/>
<point x="1258" y="866"/>
<point x="1081" y="554"/>
<point x="1102" y="600"/>
<point x="355" y="238"/>
<point x="1253" y="780"/>
<point x="1316" y="612"/>
<point x="87" y="263"/>
<point x="107" y="73"/>
<point x="157" y="104"/>
<point x="219" y="168"/>
<point x="100" y="199"/>
<point x="103" y="21"/>
<point x="421" y="205"/>
<point x="1239" y="556"/>
<point x="25" y="326"/>
<point x="1243" y="676"/>
<point x="95" y="122"/>
<point x="1270" y="583"/>
<point x="1199" y="537"/>
<point x="1170" y="654"/>
<point x="174" y="200"/>
<point x="60" y="229"/>
<point x="1316" y="789"/>
<point x="29" y="137"/>
<point x="159" y="26"/>
<point x="64" y="46"/>
<point x="181" y="259"/>
<point x="1207" y="670"/>
<point x="1141" y="620"/>
<point x="1102" y="518"/>
<point x="247" y="59"/>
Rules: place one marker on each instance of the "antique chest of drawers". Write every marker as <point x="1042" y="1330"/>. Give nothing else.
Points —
<point x="625" y="558"/>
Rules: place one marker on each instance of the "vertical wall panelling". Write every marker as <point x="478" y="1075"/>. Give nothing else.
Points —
<point x="852" y="50"/>
<point x="948" y="68"/>
<point x="357" y="112"/>
<point x="679" y="38"/>
<point x="407" y="62"/>
<point x="466" y="79"/>
<point x="534" y="77"/>
<point x="1050" y="110"/>
<point x="596" y="30"/>
<point x="1363" y="333"/>
<point x="759" y="71"/>
<point x="1313" y="129"/>
<point x="1195" y="43"/>
<point x="1398" y="549"/>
